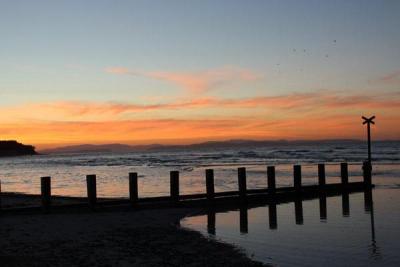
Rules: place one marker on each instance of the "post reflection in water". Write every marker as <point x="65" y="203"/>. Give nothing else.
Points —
<point x="211" y="221"/>
<point x="272" y="214"/>
<point x="368" y="201"/>
<point x="298" y="210"/>
<point x="369" y="209"/>
<point x="303" y="222"/>
<point x="375" y="252"/>
<point x="244" y="222"/>
<point x="322" y="207"/>
<point x="345" y="204"/>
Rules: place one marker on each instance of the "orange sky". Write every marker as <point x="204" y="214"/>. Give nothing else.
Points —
<point x="318" y="115"/>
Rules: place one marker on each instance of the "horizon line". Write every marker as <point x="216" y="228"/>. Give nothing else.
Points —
<point x="216" y="141"/>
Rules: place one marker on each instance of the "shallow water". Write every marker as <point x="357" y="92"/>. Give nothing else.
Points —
<point x="68" y="171"/>
<point x="351" y="231"/>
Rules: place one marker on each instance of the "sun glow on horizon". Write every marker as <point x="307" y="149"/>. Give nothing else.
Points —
<point x="140" y="73"/>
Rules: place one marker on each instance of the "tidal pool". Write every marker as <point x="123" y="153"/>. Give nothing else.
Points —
<point x="358" y="229"/>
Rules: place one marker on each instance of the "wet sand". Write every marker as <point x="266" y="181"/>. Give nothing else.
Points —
<point x="121" y="238"/>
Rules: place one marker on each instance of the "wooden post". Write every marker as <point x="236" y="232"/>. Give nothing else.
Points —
<point x="344" y="173"/>
<point x="174" y="185"/>
<point x="271" y="179"/>
<point x="321" y="175"/>
<point x="367" y="169"/>
<point x="91" y="190"/>
<point x="210" y="184"/>
<point x="133" y="188"/>
<point x="242" y="182"/>
<point x="297" y="177"/>
<point x="45" y="183"/>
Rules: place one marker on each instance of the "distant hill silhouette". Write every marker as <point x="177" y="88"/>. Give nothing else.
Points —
<point x="88" y="148"/>
<point x="13" y="148"/>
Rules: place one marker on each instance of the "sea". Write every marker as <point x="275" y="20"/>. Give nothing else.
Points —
<point x="351" y="233"/>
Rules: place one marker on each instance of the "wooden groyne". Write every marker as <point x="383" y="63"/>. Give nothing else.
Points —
<point x="270" y="194"/>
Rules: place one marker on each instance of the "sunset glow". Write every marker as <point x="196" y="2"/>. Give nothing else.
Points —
<point x="150" y="76"/>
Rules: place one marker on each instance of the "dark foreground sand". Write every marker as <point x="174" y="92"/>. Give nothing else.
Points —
<point x="123" y="238"/>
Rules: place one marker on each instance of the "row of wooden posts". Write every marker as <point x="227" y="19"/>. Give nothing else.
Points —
<point x="210" y="191"/>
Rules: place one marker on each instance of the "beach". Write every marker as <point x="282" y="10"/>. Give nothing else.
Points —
<point x="118" y="235"/>
<point x="121" y="238"/>
<point x="200" y="133"/>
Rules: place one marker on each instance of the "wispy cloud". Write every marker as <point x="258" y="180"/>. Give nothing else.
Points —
<point x="195" y="82"/>
<point x="393" y="77"/>
<point x="316" y="100"/>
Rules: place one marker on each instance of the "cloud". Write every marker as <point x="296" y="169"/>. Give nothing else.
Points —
<point x="393" y="77"/>
<point x="283" y="105"/>
<point x="282" y="102"/>
<point x="378" y="101"/>
<point x="195" y="82"/>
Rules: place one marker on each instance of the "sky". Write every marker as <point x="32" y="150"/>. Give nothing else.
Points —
<point x="178" y="72"/>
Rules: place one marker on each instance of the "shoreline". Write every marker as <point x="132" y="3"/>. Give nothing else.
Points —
<point x="110" y="238"/>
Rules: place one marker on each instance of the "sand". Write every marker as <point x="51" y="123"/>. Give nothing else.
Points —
<point x="18" y="200"/>
<point x="120" y="238"/>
